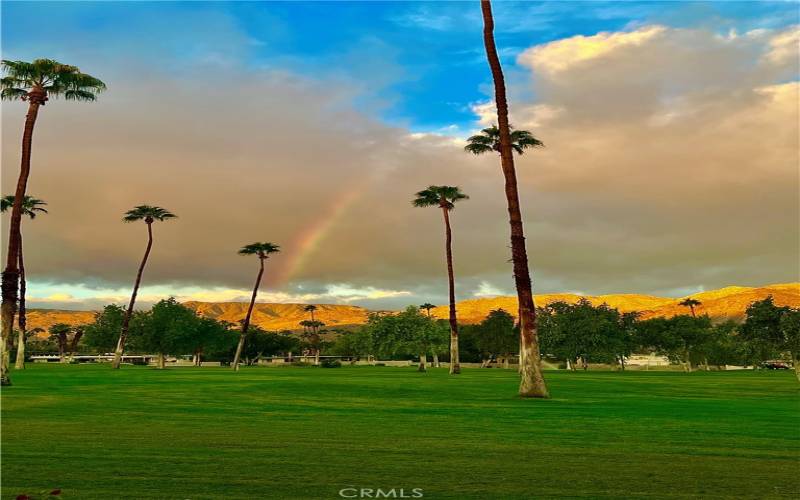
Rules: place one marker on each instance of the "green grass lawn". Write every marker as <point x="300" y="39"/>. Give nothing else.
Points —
<point x="190" y="433"/>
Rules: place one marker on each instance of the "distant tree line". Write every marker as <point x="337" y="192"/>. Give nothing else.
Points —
<point x="572" y="334"/>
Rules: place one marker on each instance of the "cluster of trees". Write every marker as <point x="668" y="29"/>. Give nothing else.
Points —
<point x="172" y="329"/>
<point x="581" y="333"/>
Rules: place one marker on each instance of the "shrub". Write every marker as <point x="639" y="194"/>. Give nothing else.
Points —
<point x="330" y="363"/>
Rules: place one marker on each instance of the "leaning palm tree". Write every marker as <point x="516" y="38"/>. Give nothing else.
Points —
<point x="262" y="250"/>
<point x="34" y="82"/>
<point x="532" y="382"/>
<point x="30" y="207"/>
<point x="445" y="197"/>
<point x="691" y="304"/>
<point x="148" y="214"/>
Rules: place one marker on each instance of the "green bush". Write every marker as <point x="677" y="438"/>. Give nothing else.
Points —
<point x="330" y="363"/>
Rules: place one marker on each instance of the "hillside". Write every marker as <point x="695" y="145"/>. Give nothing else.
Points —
<point x="725" y="303"/>
<point x="281" y="316"/>
<point x="45" y="318"/>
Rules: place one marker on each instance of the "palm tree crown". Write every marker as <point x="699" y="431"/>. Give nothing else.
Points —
<point x="427" y="306"/>
<point x="310" y="307"/>
<point x="690" y="302"/>
<point x="261" y="249"/>
<point x="489" y="140"/>
<point x="148" y="214"/>
<point x="30" y="205"/>
<point x="45" y="77"/>
<point x="439" y="196"/>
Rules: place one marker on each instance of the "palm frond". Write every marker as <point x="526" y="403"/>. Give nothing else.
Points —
<point x="13" y="94"/>
<point x="30" y="205"/>
<point x="79" y="95"/>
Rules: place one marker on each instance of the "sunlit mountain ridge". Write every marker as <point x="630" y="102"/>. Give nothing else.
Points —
<point x="725" y="303"/>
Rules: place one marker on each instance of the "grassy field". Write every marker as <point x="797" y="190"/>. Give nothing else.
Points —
<point x="189" y="433"/>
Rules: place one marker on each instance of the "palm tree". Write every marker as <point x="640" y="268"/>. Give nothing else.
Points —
<point x="60" y="332"/>
<point x="30" y="207"/>
<point x="427" y="306"/>
<point x="445" y="197"/>
<point x="532" y="382"/>
<point x="34" y="82"/>
<point x="691" y="304"/>
<point x="148" y="214"/>
<point x="77" y="333"/>
<point x="314" y="324"/>
<point x="262" y="250"/>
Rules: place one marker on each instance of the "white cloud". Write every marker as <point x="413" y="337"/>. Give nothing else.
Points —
<point x="486" y="289"/>
<point x="557" y="56"/>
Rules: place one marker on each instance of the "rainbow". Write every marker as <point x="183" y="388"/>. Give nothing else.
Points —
<point x="308" y="240"/>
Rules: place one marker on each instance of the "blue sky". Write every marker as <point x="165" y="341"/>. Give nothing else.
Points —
<point x="423" y="61"/>
<point x="318" y="120"/>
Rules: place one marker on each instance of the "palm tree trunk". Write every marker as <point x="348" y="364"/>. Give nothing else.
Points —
<point x="23" y="320"/>
<point x="76" y="337"/>
<point x="62" y="347"/>
<point x="455" y="365"/>
<point x="246" y="323"/>
<point x="160" y="363"/>
<point x="127" y="321"/>
<point x="436" y="360"/>
<point x="532" y="382"/>
<point x="10" y="276"/>
<point x="423" y="362"/>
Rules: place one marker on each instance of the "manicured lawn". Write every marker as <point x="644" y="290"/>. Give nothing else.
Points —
<point x="189" y="433"/>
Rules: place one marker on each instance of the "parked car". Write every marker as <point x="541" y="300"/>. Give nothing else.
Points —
<point x="775" y="365"/>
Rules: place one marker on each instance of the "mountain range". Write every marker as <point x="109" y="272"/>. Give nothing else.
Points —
<point x="725" y="303"/>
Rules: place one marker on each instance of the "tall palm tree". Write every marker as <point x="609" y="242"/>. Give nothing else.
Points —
<point x="262" y="250"/>
<point x="148" y="214"/>
<point x="445" y="197"/>
<point x="532" y="382"/>
<point x="691" y="304"/>
<point x="30" y="207"/>
<point x="34" y="82"/>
